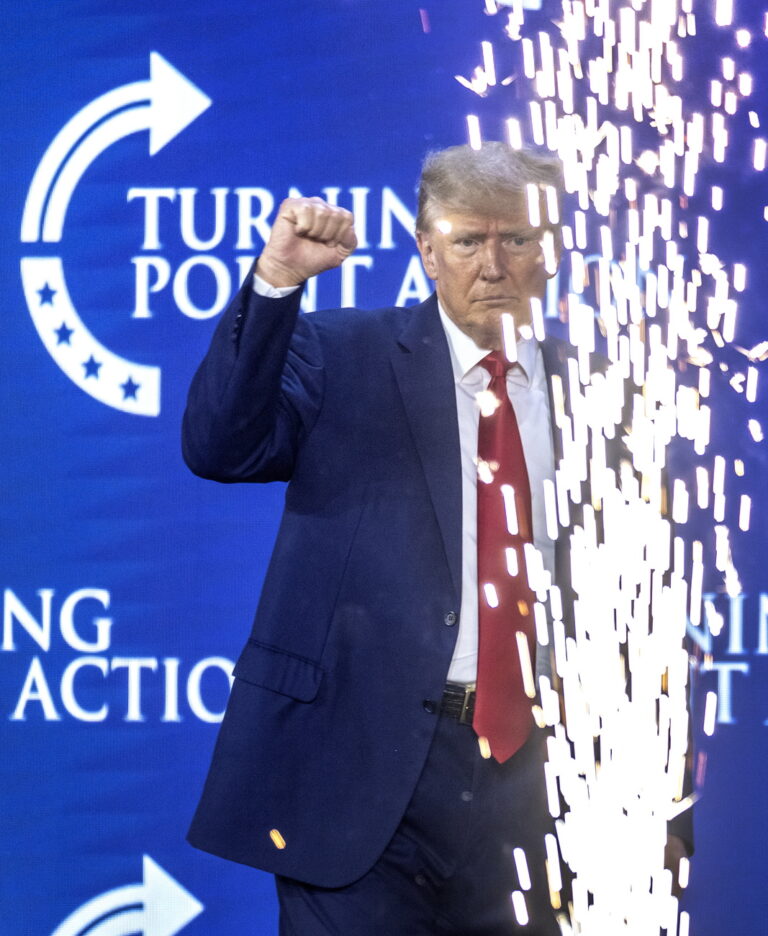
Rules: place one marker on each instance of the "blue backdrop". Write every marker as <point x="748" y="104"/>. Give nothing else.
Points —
<point x="145" y="147"/>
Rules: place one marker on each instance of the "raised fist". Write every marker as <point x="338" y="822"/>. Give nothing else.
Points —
<point x="308" y="237"/>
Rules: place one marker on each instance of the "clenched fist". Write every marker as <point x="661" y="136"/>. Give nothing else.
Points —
<point x="308" y="237"/>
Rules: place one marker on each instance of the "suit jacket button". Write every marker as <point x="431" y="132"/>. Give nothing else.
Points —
<point x="429" y="706"/>
<point x="450" y="619"/>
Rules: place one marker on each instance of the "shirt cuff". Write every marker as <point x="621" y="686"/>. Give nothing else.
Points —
<point x="262" y="288"/>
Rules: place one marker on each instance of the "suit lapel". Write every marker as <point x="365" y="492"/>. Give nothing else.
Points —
<point x="555" y="355"/>
<point x="422" y="366"/>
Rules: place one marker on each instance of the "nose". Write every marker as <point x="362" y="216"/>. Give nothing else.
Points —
<point x="494" y="266"/>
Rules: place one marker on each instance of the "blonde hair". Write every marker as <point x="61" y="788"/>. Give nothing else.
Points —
<point x="463" y="179"/>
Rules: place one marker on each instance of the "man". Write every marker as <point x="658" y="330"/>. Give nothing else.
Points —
<point x="356" y="761"/>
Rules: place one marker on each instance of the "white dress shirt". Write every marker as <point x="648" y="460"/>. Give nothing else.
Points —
<point x="527" y="389"/>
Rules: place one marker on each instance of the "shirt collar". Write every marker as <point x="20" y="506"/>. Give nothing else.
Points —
<point x="465" y="354"/>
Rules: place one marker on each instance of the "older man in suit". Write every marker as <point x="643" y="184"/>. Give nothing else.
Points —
<point x="378" y="753"/>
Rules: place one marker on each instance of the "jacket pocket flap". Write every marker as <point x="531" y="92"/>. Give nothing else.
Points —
<point x="279" y="671"/>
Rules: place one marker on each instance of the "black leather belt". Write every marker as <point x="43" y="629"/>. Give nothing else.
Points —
<point x="458" y="702"/>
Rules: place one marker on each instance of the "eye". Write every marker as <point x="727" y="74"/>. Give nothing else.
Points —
<point x="517" y="240"/>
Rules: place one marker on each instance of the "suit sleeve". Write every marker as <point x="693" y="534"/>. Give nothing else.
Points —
<point x="256" y="394"/>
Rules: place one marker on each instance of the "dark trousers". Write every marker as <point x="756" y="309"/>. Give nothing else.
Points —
<point x="449" y="868"/>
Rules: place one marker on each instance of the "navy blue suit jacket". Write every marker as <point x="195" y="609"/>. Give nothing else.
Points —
<point x="326" y="730"/>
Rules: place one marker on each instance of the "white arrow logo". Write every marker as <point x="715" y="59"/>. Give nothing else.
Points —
<point x="159" y="906"/>
<point x="165" y="104"/>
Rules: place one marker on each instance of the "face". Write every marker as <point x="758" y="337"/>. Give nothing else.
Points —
<point x="484" y="266"/>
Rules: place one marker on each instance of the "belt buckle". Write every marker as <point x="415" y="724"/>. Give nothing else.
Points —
<point x="464" y="718"/>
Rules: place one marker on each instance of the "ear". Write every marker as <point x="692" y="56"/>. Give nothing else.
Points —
<point x="424" y="243"/>
<point x="558" y="245"/>
<point x="558" y="249"/>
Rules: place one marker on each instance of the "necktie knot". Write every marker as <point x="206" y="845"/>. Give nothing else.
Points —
<point x="496" y="364"/>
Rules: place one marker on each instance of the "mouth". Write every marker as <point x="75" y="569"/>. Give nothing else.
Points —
<point x="496" y="299"/>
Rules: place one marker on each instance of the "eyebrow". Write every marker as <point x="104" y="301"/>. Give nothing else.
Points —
<point x="460" y="233"/>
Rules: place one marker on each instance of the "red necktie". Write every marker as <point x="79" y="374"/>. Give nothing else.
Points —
<point x="502" y="707"/>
